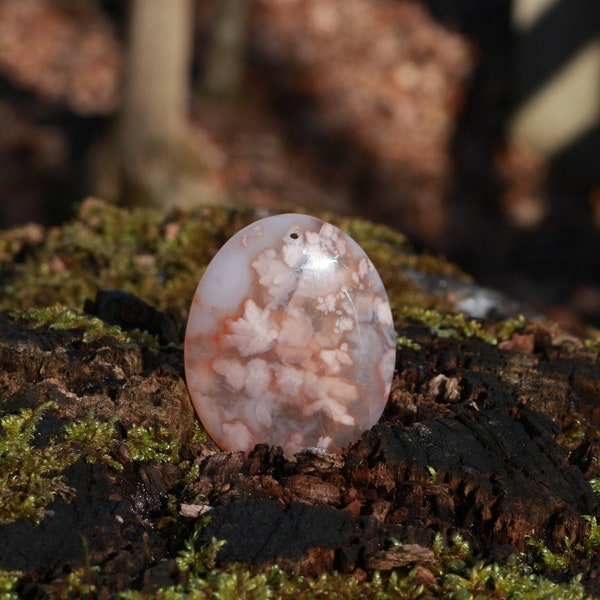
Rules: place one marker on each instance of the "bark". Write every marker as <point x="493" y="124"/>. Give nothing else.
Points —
<point x="156" y="99"/>
<point x="502" y="473"/>
<point x="224" y="64"/>
<point x="153" y="159"/>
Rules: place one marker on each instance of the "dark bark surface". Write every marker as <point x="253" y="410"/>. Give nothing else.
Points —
<point x="474" y="441"/>
<point x="479" y="417"/>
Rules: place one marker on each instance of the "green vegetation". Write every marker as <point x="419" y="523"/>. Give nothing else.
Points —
<point x="455" y="574"/>
<point x="93" y="440"/>
<point x="75" y="585"/>
<point x="199" y="436"/>
<point x="62" y="318"/>
<point x="505" y="329"/>
<point x="457" y="325"/>
<point x="463" y="576"/>
<point x="161" y="258"/>
<point x="141" y="251"/>
<point x="198" y="561"/>
<point x="146" y="444"/>
<point x="434" y="476"/>
<point x="404" y="342"/>
<point x="447" y="325"/>
<point x="595" y="483"/>
<point x="32" y="475"/>
<point x="8" y="582"/>
<point x="573" y="552"/>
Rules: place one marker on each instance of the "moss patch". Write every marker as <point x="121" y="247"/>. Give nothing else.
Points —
<point x="32" y="474"/>
<point x="30" y="477"/>
<point x="455" y="574"/>
<point x="161" y="258"/>
<point x="62" y="318"/>
<point x="156" y="257"/>
<point x="573" y="553"/>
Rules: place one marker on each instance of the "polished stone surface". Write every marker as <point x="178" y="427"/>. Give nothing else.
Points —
<point x="290" y="339"/>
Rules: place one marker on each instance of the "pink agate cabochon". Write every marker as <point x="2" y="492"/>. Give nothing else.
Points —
<point x="290" y="339"/>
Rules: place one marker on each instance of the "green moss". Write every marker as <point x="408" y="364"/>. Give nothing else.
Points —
<point x="238" y="582"/>
<point x="447" y="325"/>
<point x="146" y="444"/>
<point x="572" y="554"/>
<point x="30" y="477"/>
<point x="160" y="258"/>
<point x="463" y="576"/>
<point x="456" y="574"/>
<point x="404" y="342"/>
<point x="513" y="580"/>
<point x="8" y="582"/>
<point x="434" y="476"/>
<point x="595" y="483"/>
<point x="77" y="584"/>
<point x="198" y="560"/>
<point x="199" y="436"/>
<point x="74" y="585"/>
<point x="577" y="430"/>
<point x="435" y="265"/>
<point x="593" y="339"/>
<point x="94" y="440"/>
<point x="62" y="318"/>
<point x="458" y="325"/>
<point x="546" y="558"/>
<point x="504" y="330"/>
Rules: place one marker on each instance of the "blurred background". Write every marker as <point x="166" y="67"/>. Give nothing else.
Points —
<point x="474" y="127"/>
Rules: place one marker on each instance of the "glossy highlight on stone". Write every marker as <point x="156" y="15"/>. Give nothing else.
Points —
<point x="290" y="339"/>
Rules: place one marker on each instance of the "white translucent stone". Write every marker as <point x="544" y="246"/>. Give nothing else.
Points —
<point x="290" y="339"/>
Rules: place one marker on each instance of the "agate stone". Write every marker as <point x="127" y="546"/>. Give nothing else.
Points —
<point x="290" y="339"/>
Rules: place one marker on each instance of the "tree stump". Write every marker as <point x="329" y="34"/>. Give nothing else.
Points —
<point x="490" y="441"/>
